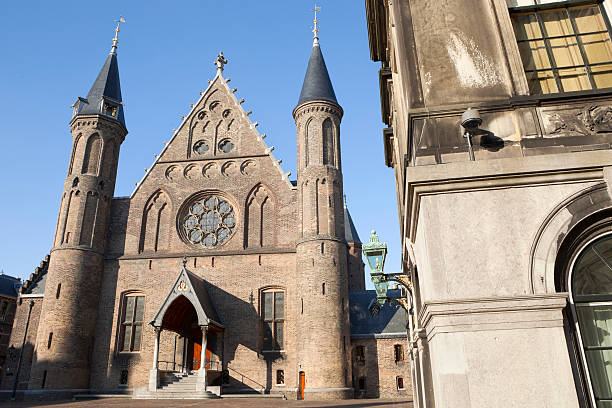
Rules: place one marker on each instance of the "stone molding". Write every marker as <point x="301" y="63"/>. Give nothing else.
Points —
<point x="555" y="226"/>
<point x="495" y="313"/>
<point x="318" y="106"/>
<point x="578" y="167"/>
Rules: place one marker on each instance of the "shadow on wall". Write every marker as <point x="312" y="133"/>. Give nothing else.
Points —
<point x="10" y="367"/>
<point x="242" y="328"/>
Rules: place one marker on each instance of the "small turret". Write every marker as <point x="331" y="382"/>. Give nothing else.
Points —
<point x="322" y="281"/>
<point x="65" y="336"/>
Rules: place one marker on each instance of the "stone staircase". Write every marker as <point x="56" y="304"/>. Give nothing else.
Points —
<point x="176" y="386"/>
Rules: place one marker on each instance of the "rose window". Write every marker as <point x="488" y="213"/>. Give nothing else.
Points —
<point x="209" y="221"/>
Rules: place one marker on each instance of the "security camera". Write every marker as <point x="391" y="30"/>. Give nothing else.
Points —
<point x="470" y="119"/>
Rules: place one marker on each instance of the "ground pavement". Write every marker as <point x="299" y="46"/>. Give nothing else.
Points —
<point x="219" y="403"/>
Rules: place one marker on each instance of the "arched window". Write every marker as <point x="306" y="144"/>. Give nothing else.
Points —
<point x="590" y="287"/>
<point x="132" y="317"/>
<point x="273" y="318"/>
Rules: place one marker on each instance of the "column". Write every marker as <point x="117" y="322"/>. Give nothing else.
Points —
<point x="154" y="374"/>
<point x="202" y="372"/>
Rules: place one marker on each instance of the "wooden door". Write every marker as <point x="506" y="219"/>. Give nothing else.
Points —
<point x="197" y="354"/>
<point x="207" y="359"/>
<point x="302" y="385"/>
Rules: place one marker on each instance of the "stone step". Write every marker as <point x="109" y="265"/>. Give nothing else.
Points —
<point x="175" y="395"/>
<point x="99" y="396"/>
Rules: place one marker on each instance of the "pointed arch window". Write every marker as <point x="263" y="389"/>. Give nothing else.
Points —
<point x="91" y="159"/>
<point x="328" y="142"/>
<point x="590" y="286"/>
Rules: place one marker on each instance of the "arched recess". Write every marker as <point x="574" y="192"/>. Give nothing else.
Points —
<point x="310" y="151"/>
<point x="328" y="143"/>
<point x="323" y="204"/>
<point x="91" y="158"/>
<point x="89" y="218"/>
<point x="74" y="152"/>
<point x="109" y="158"/>
<point x="156" y="222"/>
<point x="260" y="218"/>
<point x="584" y="207"/>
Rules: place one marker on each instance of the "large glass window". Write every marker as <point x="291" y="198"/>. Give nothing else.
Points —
<point x="273" y="316"/>
<point x="131" y="327"/>
<point x="591" y="290"/>
<point x="565" y="48"/>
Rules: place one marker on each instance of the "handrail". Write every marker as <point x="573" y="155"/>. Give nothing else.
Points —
<point x="167" y="363"/>
<point x="244" y="376"/>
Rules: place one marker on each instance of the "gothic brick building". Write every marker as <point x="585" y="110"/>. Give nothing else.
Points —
<point x="217" y="275"/>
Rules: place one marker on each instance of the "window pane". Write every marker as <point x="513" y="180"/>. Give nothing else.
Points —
<point x="588" y="19"/>
<point x="541" y="82"/>
<point x="129" y="309"/>
<point x="533" y="54"/>
<point x="127" y="337"/>
<point x="556" y="22"/>
<point x="565" y="52"/>
<point x="591" y="274"/>
<point x="604" y="404"/>
<point x="600" y="368"/>
<point x="602" y="75"/>
<point x="519" y="3"/>
<point x="268" y="305"/>
<point x="139" y="309"/>
<point x="597" y="48"/>
<point x="267" y="336"/>
<point x="278" y="336"/>
<point x="595" y="325"/>
<point x="574" y="79"/>
<point x="279" y="305"/>
<point x="137" y="334"/>
<point x="526" y="27"/>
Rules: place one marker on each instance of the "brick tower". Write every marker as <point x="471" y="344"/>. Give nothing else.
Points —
<point x="67" y="325"/>
<point x="323" y="350"/>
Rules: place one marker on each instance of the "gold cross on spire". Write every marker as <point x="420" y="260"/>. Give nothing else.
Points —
<point x="116" y="39"/>
<point x="316" y="23"/>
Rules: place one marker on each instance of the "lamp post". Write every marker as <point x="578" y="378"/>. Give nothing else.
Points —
<point x="376" y="253"/>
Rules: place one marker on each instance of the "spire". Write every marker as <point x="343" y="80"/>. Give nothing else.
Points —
<point x="350" y="232"/>
<point x="317" y="85"/>
<point x="104" y="97"/>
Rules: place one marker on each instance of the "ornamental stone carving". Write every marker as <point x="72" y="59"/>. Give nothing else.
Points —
<point x="207" y="219"/>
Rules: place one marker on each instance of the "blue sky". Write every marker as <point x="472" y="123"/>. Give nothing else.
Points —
<point x="52" y="52"/>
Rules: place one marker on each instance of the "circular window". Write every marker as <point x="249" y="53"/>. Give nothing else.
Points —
<point x="208" y="219"/>
<point x="226" y="146"/>
<point x="200" y="147"/>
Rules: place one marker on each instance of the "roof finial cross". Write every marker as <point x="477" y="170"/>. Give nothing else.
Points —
<point x="316" y="23"/>
<point x="116" y="39"/>
<point x="220" y="62"/>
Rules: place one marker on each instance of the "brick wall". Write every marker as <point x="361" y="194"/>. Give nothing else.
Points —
<point x="380" y="369"/>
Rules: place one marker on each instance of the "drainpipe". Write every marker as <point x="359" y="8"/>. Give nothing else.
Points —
<point x="25" y="333"/>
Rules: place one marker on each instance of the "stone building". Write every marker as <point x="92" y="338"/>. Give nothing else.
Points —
<point x="217" y="275"/>
<point x="507" y="242"/>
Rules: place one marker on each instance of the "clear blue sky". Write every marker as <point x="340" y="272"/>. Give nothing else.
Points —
<point x="52" y="52"/>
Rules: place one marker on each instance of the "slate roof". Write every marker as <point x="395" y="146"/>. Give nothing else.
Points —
<point x="9" y="286"/>
<point x="317" y="85"/>
<point x="389" y="323"/>
<point x="107" y="86"/>
<point x="350" y="232"/>
<point x="35" y="285"/>
<point x="201" y="292"/>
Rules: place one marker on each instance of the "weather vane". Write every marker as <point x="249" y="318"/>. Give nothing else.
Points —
<point x="316" y="23"/>
<point x="220" y="62"/>
<point x="116" y="39"/>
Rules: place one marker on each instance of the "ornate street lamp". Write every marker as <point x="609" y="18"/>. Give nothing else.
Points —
<point x="376" y="253"/>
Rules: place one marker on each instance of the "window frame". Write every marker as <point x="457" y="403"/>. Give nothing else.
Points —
<point x="398" y="353"/>
<point x="553" y="68"/>
<point x="599" y="300"/>
<point x="123" y="324"/>
<point x="274" y="321"/>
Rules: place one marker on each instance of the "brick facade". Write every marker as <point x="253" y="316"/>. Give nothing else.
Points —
<point x="275" y="235"/>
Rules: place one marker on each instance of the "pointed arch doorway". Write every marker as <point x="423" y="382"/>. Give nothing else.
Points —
<point x="189" y="312"/>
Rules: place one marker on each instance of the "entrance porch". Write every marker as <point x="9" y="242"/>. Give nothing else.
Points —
<point x="197" y="357"/>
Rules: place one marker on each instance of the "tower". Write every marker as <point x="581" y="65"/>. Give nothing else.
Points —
<point x="323" y="352"/>
<point x="67" y="325"/>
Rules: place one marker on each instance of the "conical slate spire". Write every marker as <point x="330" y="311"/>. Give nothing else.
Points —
<point x="317" y="85"/>
<point x="104" y="97"/>
<point x="350" y="232"/>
